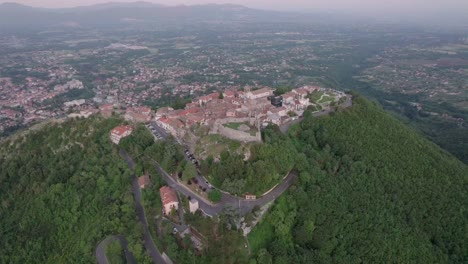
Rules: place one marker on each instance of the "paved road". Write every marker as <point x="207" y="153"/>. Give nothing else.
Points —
<point x="245" y="206"/>
<point x="148" y="240"/>
<point x="101" y="249"/>
<point x="161" y="131"/>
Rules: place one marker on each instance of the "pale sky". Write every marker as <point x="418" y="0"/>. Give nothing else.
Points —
<point x="359" y="6"/>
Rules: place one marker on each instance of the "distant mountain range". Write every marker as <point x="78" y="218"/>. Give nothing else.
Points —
<point x="17" y="16"/>
<point x="138" y="15"/>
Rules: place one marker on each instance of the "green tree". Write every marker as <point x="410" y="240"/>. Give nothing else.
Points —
<point x="215" y="196"/>
<point x="264" y="257"/>
<point x="189" y="171"/>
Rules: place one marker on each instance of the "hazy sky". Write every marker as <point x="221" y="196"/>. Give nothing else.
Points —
<point x="405" y="6"/>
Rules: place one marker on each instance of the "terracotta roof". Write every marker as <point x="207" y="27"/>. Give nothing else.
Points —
<point x="140" y="110"/>
<point x="163" y="120"/>
<point x="229" y="93"/>
<point x="189" y="111"/>
<point x="120" y="130"/>
<point x="301" y="91"/>
<point x="144" y="180"/>
<point x="164" y="110"/>
<point x="209" y="97"/>
<point x="289" y="94"/>
<point x="168" y="195"/>
<point x="107" y="107"/>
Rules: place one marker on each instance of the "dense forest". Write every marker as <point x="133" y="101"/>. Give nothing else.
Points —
<point x="267" y="165"/>
<point x="63" y="189"/>
<point x="370" y="190"/>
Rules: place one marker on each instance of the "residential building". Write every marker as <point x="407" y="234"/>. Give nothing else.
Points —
<point x="75" y="103"/>
<point x="169" y="199"/>
<point x="205" y="99"/>
<point x="162" y="112"/>
<point x="260" y="93"/>
<point x="144" y="181"/>
<point x="120" y="132"/>
<point x="106" y="110"/>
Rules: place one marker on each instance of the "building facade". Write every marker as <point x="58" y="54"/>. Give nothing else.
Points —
<point x="120" y="132"/>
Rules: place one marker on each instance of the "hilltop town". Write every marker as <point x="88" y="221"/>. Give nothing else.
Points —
<point x="236" y="114"/>
<point x="239" y="115"/>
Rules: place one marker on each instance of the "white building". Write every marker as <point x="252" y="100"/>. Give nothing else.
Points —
<point x="85" y="114"/>
<point x="120" y="132"/>
<point x="193" y="204"/>
<point x="75" y="103"/>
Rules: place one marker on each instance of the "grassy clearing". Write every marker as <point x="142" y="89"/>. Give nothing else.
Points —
<point x="215" y="144"/>
<point x="315" y="96"/>
<point x="234" y="125"/>
<point x="326" y="99"/>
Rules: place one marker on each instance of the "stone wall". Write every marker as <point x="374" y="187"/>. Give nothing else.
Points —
<point x="219" y="128"/>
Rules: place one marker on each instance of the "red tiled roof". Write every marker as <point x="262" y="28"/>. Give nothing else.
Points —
<point x="168" y="195"/>
<point x="301" y="91"/>
<point x="164" y="120"/>
<point x="289" y="94"/>
<point x="140" y="110"/>
<point x="144" y="180"/>
<point x="229" y="93"/>
<point x="120" y="130"/>
<point x="107" y="107"/>
<point x="189" y="111"/>
<point x="209" y="97"/>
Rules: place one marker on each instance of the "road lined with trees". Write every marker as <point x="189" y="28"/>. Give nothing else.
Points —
<point x="102" y="248"/>
<point x="140" y="210"/>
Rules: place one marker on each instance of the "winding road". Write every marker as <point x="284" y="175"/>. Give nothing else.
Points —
<point x="148" y="240"/>
<point x="101" y="249"/>
<point x="210" y="209"/>
<point x="244" y="206"/>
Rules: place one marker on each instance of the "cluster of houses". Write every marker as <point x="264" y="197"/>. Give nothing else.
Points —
<point x="140" y="114"/>
<point x="260" y="104"/>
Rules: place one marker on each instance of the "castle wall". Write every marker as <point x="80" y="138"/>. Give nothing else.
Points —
<point x="219" y="128"/>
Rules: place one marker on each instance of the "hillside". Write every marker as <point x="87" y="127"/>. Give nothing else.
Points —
<point x="371" y="190"/>
<point x="63" y="189"/>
